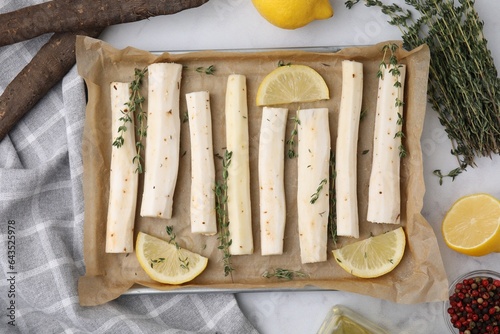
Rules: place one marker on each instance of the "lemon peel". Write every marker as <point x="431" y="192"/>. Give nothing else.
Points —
<point x="293" y="14"/>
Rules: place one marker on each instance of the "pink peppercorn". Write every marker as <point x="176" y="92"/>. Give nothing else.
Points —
<point x="475" y="306"/>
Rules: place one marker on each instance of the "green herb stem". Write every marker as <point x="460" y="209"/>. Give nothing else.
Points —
<point x="134" y="109"/>
<point x="463" y="80"/>
<point x="332" y="217"/>
<point x="222" y="216"/>
<point x="291" y="141"/>
<point x="136" y="105"/>
<point x="281" y="273"/>
<point x="210" y="70"/>
<point x="183" y="262"/>
<point x="315" y="196"/>
<point x="395" y="72"/>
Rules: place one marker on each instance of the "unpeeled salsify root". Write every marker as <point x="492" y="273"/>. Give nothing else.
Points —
<point x="74" y="15"/>
<point x="67" y="19"/>
<point x="35" y="80"/>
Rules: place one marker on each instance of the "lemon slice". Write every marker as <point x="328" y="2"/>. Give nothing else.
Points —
<point x="372" y="257"/>
<point x="165" y="263"/>
<point x="472" y="225"/>
<point x="292" y="83"/>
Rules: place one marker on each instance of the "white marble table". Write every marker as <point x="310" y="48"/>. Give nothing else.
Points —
<point x="235" y="24"/>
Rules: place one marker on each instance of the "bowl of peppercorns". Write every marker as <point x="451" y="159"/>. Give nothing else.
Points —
<point x="474" y="303"/>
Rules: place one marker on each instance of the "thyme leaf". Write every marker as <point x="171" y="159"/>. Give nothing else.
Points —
<point x="156" y="261"/>
<point x="282" y="63"/>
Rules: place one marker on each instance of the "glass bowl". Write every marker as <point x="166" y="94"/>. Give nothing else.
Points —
<point x="473" y="274"/>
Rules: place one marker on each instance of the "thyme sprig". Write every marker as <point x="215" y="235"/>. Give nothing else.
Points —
<point x="291" y="141"/>
<point x="281" y="273"/>
<point x="332" y="217"/>
<point x="119" y="140"/>
<point x="183" y="262"/>
<point x="394" y="70"/>
<point x="222" y="217"/>
<point x="210" y="70"/>
<point x="136" y="105"/>
<point x="453" y="174"/>
<point x="315" y="196"/>
<point x="463" y="81"/>
<point x="172" y="235"/>
<point x="400" y="134"/>
<point x="393" y="61"/>
<point x="134" y="108"/>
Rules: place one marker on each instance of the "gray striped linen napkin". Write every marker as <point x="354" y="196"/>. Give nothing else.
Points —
<point x="41" y="228"/>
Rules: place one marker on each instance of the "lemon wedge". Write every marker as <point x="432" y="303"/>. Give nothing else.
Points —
<point x="472" y="225"/>
<point x="165" y="263"/>
<point x="374" y="256"/>
<point x="292" y="83"/>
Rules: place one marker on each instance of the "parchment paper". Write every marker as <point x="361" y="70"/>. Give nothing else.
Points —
<point x="420" y="277"/>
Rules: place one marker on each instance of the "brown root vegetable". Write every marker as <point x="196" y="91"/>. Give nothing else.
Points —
<point x="66" y="18"/>
<point x="46" y="69"/>
<point x="74" y="15"/>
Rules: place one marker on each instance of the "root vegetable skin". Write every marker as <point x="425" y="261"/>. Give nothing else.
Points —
<point x="162" y="141"/>
<point x="239" y="209"/>
<point x="202" y="208"/>
<point x="384" y="198"/>
<point x="65" y="18"/>
<point x="313" y="164"/>
<point x="346" y="149"/>
<point x="123" y="178"/>
<point x="73" y="15"/>
<point x="35" y="80"/>
<point x="271" y="180"/>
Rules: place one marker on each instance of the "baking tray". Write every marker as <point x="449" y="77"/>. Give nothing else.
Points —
<point x="111" y="275"/>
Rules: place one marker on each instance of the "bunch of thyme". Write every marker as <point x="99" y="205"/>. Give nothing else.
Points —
<point x="463" y="84"/>
<point x="134" y="108"/>
<point x="221" y="212"/>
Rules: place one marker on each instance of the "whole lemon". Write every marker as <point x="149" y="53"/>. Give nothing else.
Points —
<point x="293" y="14"/>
